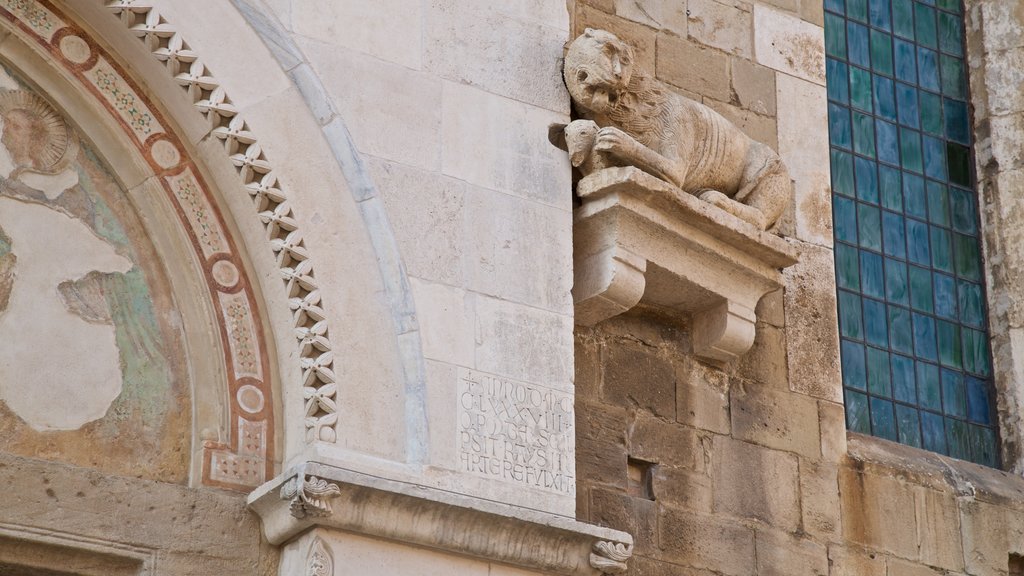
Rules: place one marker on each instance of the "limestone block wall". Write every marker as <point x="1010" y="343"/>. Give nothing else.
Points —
<point x="748" y="468"/>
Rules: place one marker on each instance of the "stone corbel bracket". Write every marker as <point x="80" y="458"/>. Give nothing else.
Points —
<point x="639" y="239"/>
<point x="317" y="495"/>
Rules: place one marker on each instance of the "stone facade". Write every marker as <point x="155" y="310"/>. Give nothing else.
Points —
<point x="332" y="274"/>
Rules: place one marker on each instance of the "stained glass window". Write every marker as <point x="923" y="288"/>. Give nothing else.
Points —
<point x="916" y="364"/>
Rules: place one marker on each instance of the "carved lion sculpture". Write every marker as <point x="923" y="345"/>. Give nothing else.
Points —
<point x="631" y="118"/>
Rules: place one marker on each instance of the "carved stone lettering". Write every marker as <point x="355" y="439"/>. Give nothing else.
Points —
<point x="516" y="432"/>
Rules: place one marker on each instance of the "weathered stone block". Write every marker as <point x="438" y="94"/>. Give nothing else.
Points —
<point x="845" y="561"/>
<point x="370" y="28"/>
<point x="754" y="86"/>
<point x="983" y="530"/>
<point x="819" y="499"/>
<point x="780" y="554"/>
<point x="832" y="423"/>
<point x="589" y="367"/>
<point x="786" y="43"/>
<point x="781" y="420"/>
<point x="706" y="542"/>
<point x="813" y="11"/>
<point x="664" y="16"/>
<point x="760" y="128"/>
<point x="755" y="483"/>
<point x="601" y="443"/>
<point x="766" y="360"/>
<point x="654" y="440"/>
<point x="721" y="25"/>
<point x="938" y="527"/>
<point x="904" y="568"/>
<point x="702" y="398"/>
<point x="637" y="375"/>
<point x="812" y="325"/>
<point x="878" y="511"/>
<point x="771" y="309"/>
<point x="636" y="516"/>
<point x="803" y="110"/>
<point x="683" y="488"/>
<point x="692" y="67"/>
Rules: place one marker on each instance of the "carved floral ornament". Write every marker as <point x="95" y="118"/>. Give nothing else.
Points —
<point x="675" y="201"/>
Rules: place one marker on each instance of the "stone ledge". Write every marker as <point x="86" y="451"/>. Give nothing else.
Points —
<point x="316" y="495"/>
<point x="638" y="238"/>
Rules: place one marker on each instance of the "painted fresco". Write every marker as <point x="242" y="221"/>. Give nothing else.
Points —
<point x="91" y="364"/>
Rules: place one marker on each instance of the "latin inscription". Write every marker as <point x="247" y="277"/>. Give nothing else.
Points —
<point x="516" y="432"/>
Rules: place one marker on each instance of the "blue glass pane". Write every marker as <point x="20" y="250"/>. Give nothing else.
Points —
<point x="928" y="69"/>
<point x="928" y="394"/>
<point x="958" y="122"/>
<point x="874" y="323"/>
<point x="889" y="187"/>
<point x="883" y="421"/>
<point x="917" y="242"/>
<point x="857" y="418"/>
<point x="893" y="235"/>
<point x="878" y="372"/>
<point x="909" y="425"/>
<point x="888" y="143"/>
<point x="838" y="6"/>
<point x="847" y="268"/>
<point x="957" y="439"/>
<point x="838" y="83"/>
<point x="906" y="105"/>
<point x="879" y="14"/>
<point x="945" y="296"/>
<point x="914" y="196"/>
<point x="900" y="330"/>
<point x="903" y="385"/>
<point x="934" y="158"/>
<point x="839" y="132"/>
<point x="854" y="370"/>
<point x="844" y="218"/>
<point x="869" y="226"/>
<point x="872" y="280"/>
<point x="972" y="309"/>
<point x="962" y="211"/>
<point x="864" y="135"/>
<point x="885" y="98"/>
<point x="850" y="324"/>
<point x="867" y="180"/>
<point x="924" y="337"/>
<point x="858" y="45"/>
<point x="979" y="407"/>
<point x="933" y="432"/>
<point x="896" y="288"/>
<point x="954" y="395"/>
<point x="905" y="60"/>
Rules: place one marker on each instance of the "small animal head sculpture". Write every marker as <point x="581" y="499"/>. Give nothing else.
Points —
<point x="598" y="67"/>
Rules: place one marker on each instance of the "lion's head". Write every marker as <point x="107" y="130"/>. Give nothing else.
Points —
<point x="598" y="67"/>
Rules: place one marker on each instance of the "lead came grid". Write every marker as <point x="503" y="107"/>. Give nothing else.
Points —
<point x="916" y="362"/>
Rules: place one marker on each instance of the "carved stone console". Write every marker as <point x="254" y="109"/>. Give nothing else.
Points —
<point x="318" y="495"/>
<point x="639" y="239"/>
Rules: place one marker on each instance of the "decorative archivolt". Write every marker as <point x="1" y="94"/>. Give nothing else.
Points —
<point x="270" y="197"/>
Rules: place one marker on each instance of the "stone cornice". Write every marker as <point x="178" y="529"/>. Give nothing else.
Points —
<point x="316" y="495"/>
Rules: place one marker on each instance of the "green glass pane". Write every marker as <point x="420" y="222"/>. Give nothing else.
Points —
<point x="930" y="106"/>
<point x="911" y="156"/>
<point x="962" y="209"/>
<point x="975" y="352"/>
<point x="951" y="34"/>
<point x="983" y="446"/>
<point x="914" y="196"/>
<point x="835" y="36"/>
<point x="900" y="336"/>
<point x="908" y="425"/>
<point x="942" y="252"/>
<point x="881" y="52"/>
<point x="896" y="281"/>
<point x="938" y="203"/>
<point x="837" y="6"/>
<point x="869" y="226"/>
<point x="969" y="300"/>
<point x="864" y="135"/>
<point x="844" y="219"/>
<point x="924" y="25"/>
<point x="958" y="122"/>
<point x="850" y="323"/>
<point x="860" y="88"/>
<point x="928" y="386"/>
<point x="903" y="18"/>
<point x="920" y="289"/>
<point x="889" y="185"/>
<point x="847" y="269"/>
<point x="956" y="437"/>
<point x="967" y="257"/>
<point x="945" y="296"/>
<point x="857" y="418"/>
<point x="883" y="421"/>
<point x="879" y="382"/>
<point x="857" y="9"/>
<point x="949" y="344"/>
<point x="958" y="159"/>
<point x="953" y="82"/>
<point x="842" y="173"/>
<point x="951" y="5"/>
<point x="852" y="360"/>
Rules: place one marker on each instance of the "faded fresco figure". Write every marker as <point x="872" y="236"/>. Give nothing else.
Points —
<point x="59" y="363"/>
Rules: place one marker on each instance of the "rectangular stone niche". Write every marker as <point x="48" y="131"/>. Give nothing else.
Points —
<point x="638" y="239"/>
